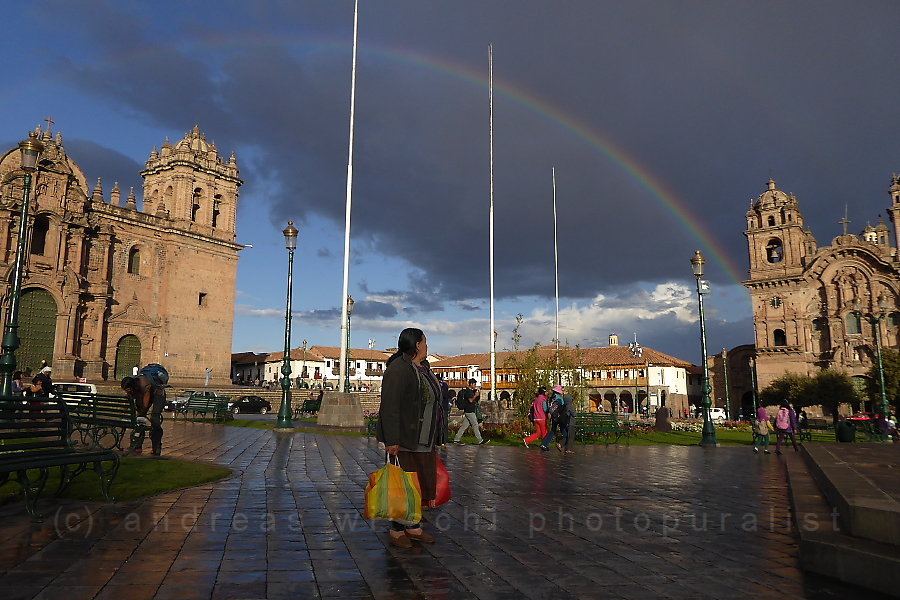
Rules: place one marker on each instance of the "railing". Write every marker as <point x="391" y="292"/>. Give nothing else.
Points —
<point x="616" y="382"/>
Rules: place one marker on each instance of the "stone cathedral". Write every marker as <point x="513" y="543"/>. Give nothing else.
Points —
<point x="108" y="286"/>
<point x="805" y="297"/>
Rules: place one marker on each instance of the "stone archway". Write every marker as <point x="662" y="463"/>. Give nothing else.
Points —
<point x="610" y="400"/>
<point x="128" y="356"/>
<point x="37" y="329"/>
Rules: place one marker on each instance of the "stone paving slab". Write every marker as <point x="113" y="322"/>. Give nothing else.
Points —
<point x="607" y="522"/>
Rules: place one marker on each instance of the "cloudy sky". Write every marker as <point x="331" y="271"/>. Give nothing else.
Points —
<point x="662" y="119"/>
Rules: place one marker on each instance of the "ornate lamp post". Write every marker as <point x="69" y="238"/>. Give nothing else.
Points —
<point x="709" y="431"/>
<point x="725" y="373"/>
<point x="31" y="150"/>
<point x="350" y="303"/>
<point x="303" y="367"/>
<point x="284" y="413"/>
<point x="875" y="320"/>
<point x="753" y="385"/>
<point x="636" y="353"/>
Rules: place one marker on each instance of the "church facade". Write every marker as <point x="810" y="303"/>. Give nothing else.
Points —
<point x="109" y="287"/>
<point x="820" y="307"/>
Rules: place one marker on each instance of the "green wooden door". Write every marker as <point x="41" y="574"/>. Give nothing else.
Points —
<point x="128" y="356"/>
<point x="37" y="329"/>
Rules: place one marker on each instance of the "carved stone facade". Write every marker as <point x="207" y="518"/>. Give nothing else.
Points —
<point x="129" y="286"/>
<point x="805" y="298"/>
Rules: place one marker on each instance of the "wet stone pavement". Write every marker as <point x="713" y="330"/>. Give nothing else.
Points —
<point x="607" y="522"/>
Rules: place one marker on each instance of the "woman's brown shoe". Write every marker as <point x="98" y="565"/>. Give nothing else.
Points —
<point x="401" y="541"/>
<point x="420" y="536"/>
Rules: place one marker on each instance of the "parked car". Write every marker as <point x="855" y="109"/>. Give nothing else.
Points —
<point x="717" y="414"/>
<point x="79" y="388"/>
<point x="250" y="404"/>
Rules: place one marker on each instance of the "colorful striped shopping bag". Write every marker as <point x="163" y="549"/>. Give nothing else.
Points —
<point x="394" y="494"/>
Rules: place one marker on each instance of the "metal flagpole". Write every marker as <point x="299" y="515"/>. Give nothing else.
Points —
<point x="344" y="315"/>
<point x="556" y="269"/>
<point x="491" y="136"/>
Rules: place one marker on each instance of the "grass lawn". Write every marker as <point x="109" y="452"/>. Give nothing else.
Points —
<point x="137" y="477"/>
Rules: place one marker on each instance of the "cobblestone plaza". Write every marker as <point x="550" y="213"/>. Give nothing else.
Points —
<point x="607" y="522"/>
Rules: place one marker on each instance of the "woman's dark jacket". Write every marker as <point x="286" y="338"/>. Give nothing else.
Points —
<point x="400" y="417"/>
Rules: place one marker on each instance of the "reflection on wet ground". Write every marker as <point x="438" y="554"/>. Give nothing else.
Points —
<point x="607" y="522"/>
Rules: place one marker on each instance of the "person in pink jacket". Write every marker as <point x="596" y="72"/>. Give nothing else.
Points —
<point x="538" y="413"/>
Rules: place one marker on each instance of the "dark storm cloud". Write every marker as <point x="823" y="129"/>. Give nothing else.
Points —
<point x="111" y="166"/>
<point x="661" y="119"/>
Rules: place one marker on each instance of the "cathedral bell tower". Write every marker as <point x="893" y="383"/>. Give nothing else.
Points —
<point x="778" y="242"/>
<point x="894" y="209"/>
<point x="191" y="184"/>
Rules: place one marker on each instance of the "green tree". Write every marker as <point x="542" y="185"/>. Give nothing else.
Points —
<point x="793" y="387"/>
<point x="891" y="360"/>
<point x="536" y="367"/>
<point x="830" y="389"/>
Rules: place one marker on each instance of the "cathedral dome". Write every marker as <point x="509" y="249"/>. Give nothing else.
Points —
<point x="773" y="197"/>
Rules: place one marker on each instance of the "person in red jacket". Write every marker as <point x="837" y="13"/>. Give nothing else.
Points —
<point x="538" y="414"/>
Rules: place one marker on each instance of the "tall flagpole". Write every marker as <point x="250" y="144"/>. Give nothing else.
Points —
<point x="491" y="126"/>
<point x="556" y="269"/>
<point x="344" y="313"/>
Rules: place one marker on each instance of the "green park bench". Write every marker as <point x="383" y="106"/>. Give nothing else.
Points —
<point x="35" y="436"/>
<point x="310" y="406"/>
<point x="217" y="408"/>
<point x="605" y="425"/>
<point x="815" y="425"/>
<point x="101" y="420"/>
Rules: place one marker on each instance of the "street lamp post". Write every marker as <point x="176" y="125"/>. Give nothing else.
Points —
<point x="284" y="413"/>
<point x="350" y="303"/>
<point x="30" y="150"/>
<point x="636" y="352"/>
<point x="875" y="320"/>
<point x="727" y="395"/>
<point x="753" y="385"/>
<point x="303" y="367"/>
<point x="709" y="430"/>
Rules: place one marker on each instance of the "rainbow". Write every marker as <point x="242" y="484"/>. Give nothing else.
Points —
<point x="579" y="129"/>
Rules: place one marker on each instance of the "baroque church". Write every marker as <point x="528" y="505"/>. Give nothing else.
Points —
<point x="817" y="307"/>
<point x="109" y="286"/>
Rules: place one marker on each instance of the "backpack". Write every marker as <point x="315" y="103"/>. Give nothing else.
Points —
<point x="157" y="374"/>
<point x="461" y="401"/>
<point x="783" y="419"/>
<point x="531" y="412"/>
<point x="555" y="410"/>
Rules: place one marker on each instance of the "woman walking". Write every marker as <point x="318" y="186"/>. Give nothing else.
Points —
<point x="761" y="429"/>
<point x="538" y="417"/>
<point x="409" y="421"/>
<point x="785" y="425"/>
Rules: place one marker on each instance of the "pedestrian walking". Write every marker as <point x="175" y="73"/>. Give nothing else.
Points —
<point x="568" y="426"/>
<point x="446" y="407"/>
<point x="467" y="401"/>
<point x="555" y="412"/>
<point x="408" y="422"/>
<point x="785" y="425"/>
<point x="148" y="390"/>
<point x="761" y="428"/>
<point x="538" y="415"/>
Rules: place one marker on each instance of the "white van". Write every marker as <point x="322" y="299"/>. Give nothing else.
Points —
<point x="717" y="414"/>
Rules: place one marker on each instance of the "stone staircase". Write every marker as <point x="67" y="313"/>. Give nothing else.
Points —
<point x="846" y="508"/>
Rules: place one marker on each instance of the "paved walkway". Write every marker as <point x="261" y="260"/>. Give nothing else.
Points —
<point x="608" y="522"/>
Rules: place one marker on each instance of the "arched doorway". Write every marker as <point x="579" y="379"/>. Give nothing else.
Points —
<point x="128" y="356"/>
<point x="37" y="329"/>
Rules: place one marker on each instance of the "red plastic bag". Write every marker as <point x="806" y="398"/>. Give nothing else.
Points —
<point x="442" y="491"/>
